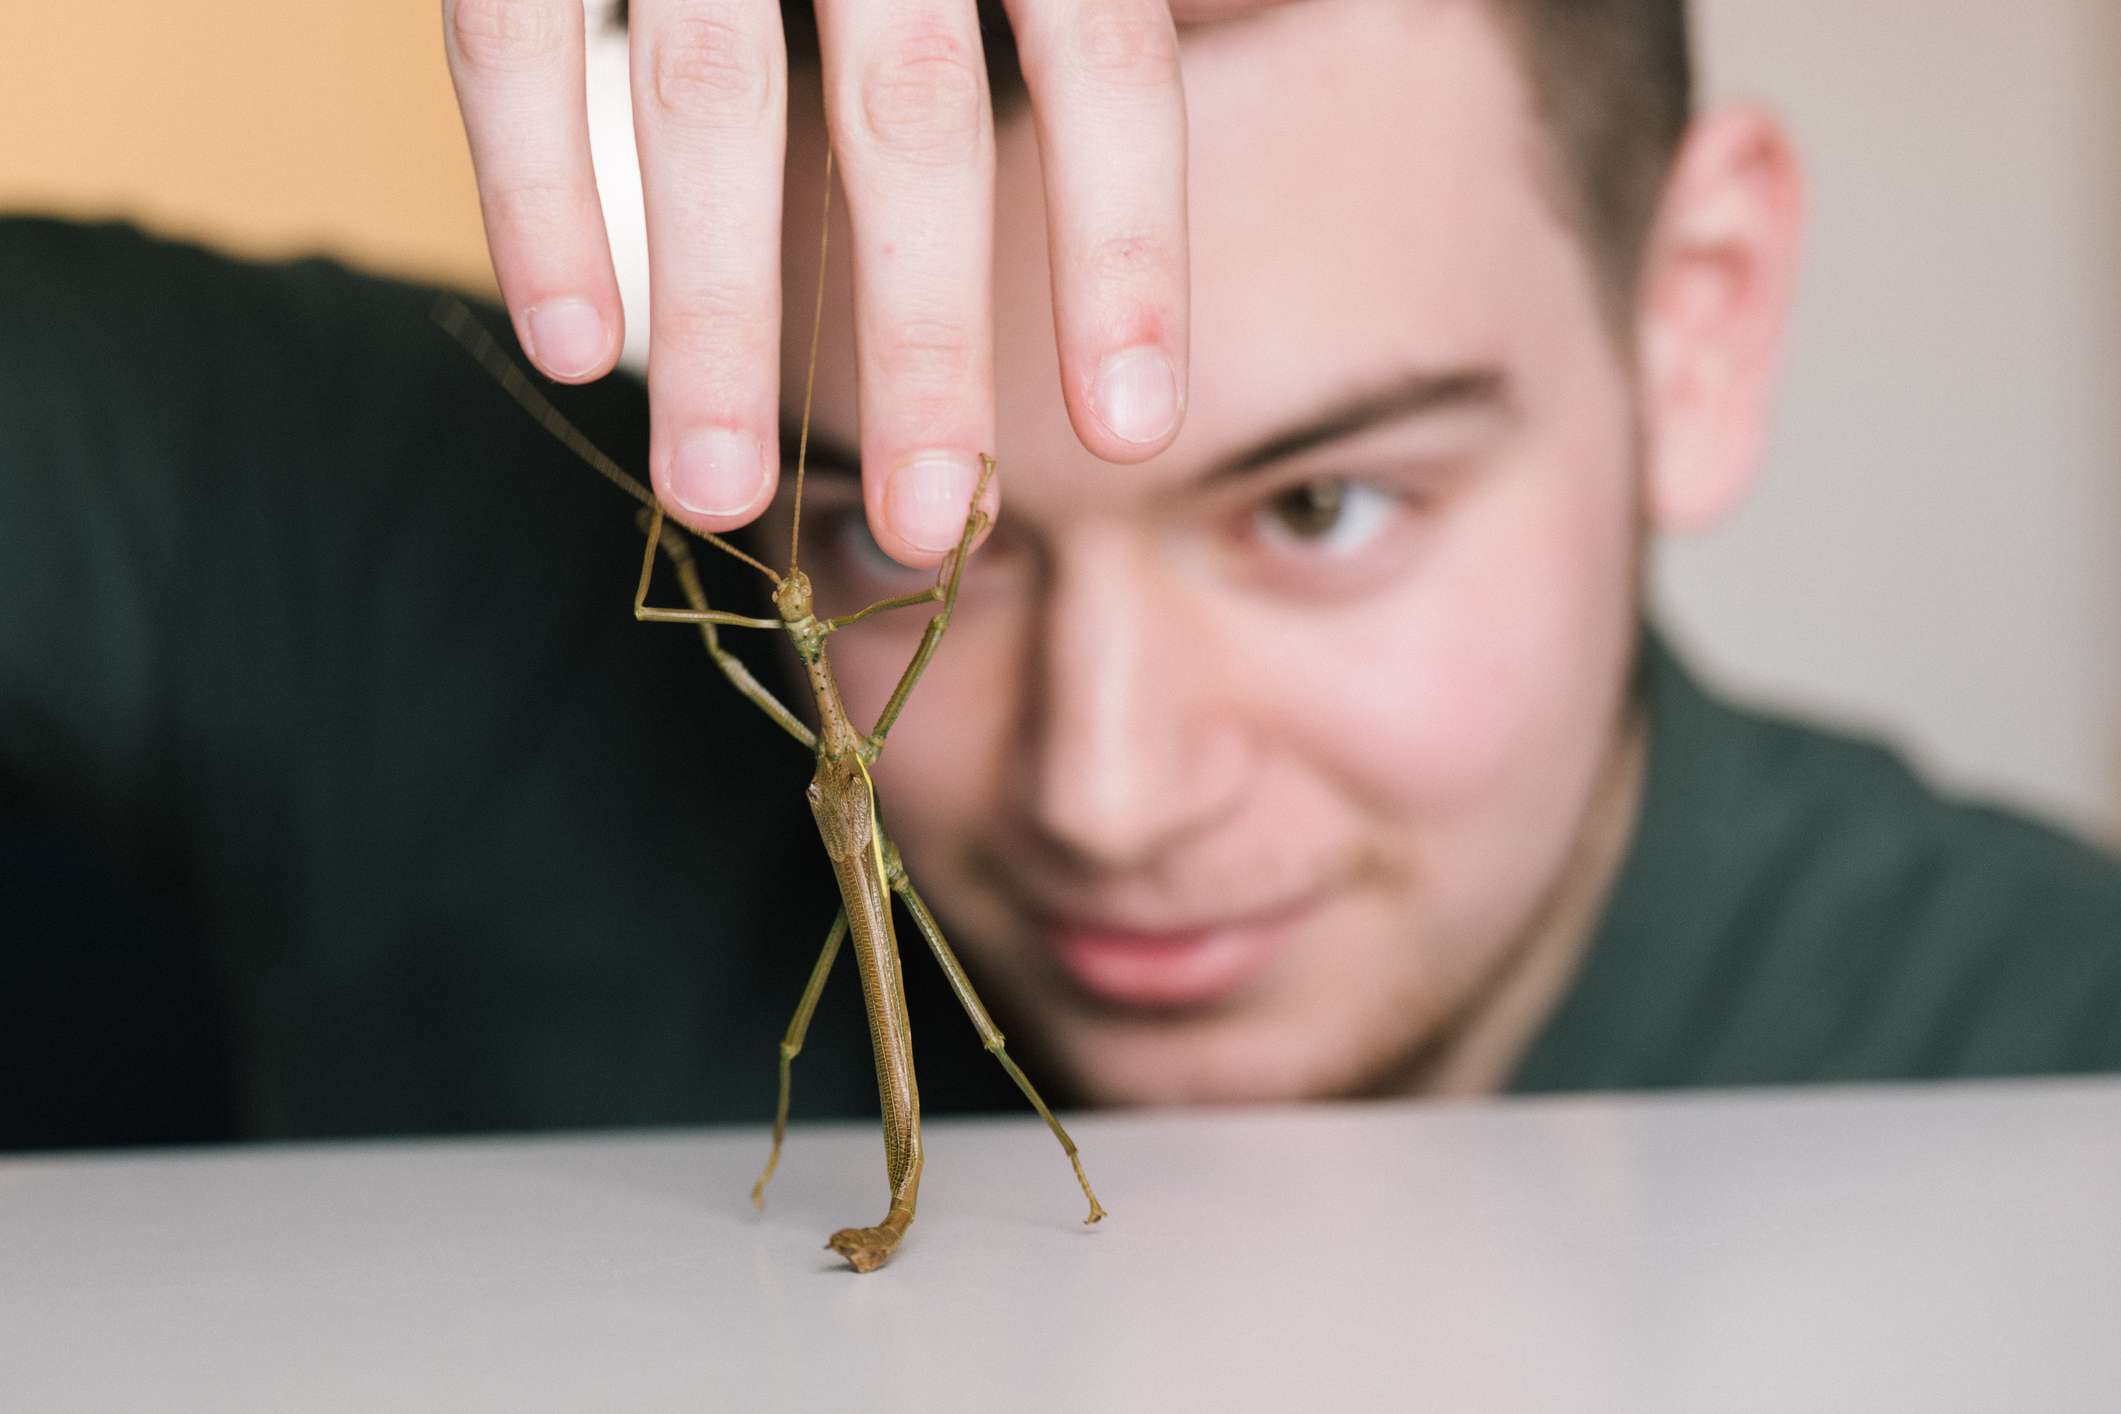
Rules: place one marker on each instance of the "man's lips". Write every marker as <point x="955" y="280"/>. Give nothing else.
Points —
<point x="1172" y="967"/>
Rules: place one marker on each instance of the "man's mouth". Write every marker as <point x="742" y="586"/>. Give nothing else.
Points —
<point x="1196" y="964"/>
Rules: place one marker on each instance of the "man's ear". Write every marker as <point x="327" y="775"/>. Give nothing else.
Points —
<point x="1717" y="281"/>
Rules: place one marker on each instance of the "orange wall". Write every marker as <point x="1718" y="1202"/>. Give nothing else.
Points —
<point x="259" y="125"/>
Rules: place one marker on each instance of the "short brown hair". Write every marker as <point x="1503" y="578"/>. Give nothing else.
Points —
<point x="1612" y="82"/>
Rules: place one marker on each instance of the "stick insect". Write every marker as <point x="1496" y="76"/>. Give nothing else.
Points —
<point x="842" y="796"/>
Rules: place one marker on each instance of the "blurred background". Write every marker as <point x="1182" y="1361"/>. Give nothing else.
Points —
<point x="1935" y="551"/>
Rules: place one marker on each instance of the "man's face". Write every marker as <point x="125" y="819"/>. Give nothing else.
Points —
<point x="1243" y="774"/>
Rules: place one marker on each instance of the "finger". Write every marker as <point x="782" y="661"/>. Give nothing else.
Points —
<point x="517" y="65"/>
<point x="907" y="91"/>
<point x="1104" y="83"/>
<point x="710" y="82"/>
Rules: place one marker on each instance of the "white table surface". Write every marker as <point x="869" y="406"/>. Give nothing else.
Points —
<point x="1943" y="1248"/>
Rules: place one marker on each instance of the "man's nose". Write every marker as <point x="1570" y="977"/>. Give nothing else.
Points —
<point x="1136" y="741"/>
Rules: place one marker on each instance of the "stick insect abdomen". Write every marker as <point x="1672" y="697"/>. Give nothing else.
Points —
<point x="841" y="799"/>
<point x="844" y="802"/>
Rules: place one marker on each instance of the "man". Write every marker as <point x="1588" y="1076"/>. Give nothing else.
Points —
<point x="1323" y="754"/>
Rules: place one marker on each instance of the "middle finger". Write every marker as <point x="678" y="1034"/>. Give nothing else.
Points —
<point x="906" y="88"/>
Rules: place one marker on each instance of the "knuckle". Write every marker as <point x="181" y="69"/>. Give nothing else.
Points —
<point x="1125" y="44"/>
<point x="534" y="211"/>
<point x="1132" y="260"/>
<point x="710" y="67"/>
<point x="710" y="328"/>
<point x="925" y="98"/>
<point x="931" y="356"/>
<point x="507" y="36"/>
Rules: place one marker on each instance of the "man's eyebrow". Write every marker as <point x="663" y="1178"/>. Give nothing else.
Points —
<point x="1408" y="395"/>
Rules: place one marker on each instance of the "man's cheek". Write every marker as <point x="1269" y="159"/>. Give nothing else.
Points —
<point x="943" y="765"/>
<point x="1434" y="703"/>
<point x="1467" y="681"/>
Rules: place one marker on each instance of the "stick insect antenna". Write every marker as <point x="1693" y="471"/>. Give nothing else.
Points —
<point x="463" y="326"/>
<point x="817" y="321"/>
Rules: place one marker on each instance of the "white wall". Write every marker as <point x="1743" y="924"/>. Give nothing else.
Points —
<point x="1936" y="547"/>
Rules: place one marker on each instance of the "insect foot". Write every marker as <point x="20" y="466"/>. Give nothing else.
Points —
<point x="865" y="1248"/>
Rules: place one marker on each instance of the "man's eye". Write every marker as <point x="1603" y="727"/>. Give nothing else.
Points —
<point x="860" y="556"/>
<point x="1330" y="514"/>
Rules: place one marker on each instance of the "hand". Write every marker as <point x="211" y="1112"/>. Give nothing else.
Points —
<point x="914" y="136"/>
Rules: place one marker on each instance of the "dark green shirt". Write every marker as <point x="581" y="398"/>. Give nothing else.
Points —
<point x="340" y="794"/>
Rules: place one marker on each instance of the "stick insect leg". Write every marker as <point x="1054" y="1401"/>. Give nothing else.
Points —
<point x="931" y="595"/>
<point x="674" y="546"/>
<point x="688" y="576"/>
<point x="975" y="521"/>
<point x="792" y="1046"/>
<point x="990" y="1035"/>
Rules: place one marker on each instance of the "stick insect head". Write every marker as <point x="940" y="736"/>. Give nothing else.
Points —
<point x="792" y="597"/>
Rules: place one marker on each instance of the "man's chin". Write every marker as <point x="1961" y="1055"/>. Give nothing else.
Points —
<point x="1221" y="1061"/>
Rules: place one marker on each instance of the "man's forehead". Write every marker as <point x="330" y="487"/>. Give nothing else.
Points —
<point x="1364" y="206"/>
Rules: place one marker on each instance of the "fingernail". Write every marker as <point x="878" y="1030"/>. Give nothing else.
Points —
<point x="1136" y="395"/>
<point x="929" y="497"/>
<point x="717" y="471"/>
<point x="568" y="337"/>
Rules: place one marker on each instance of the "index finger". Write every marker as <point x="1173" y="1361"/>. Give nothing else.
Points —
<point x="517" y="66"/>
